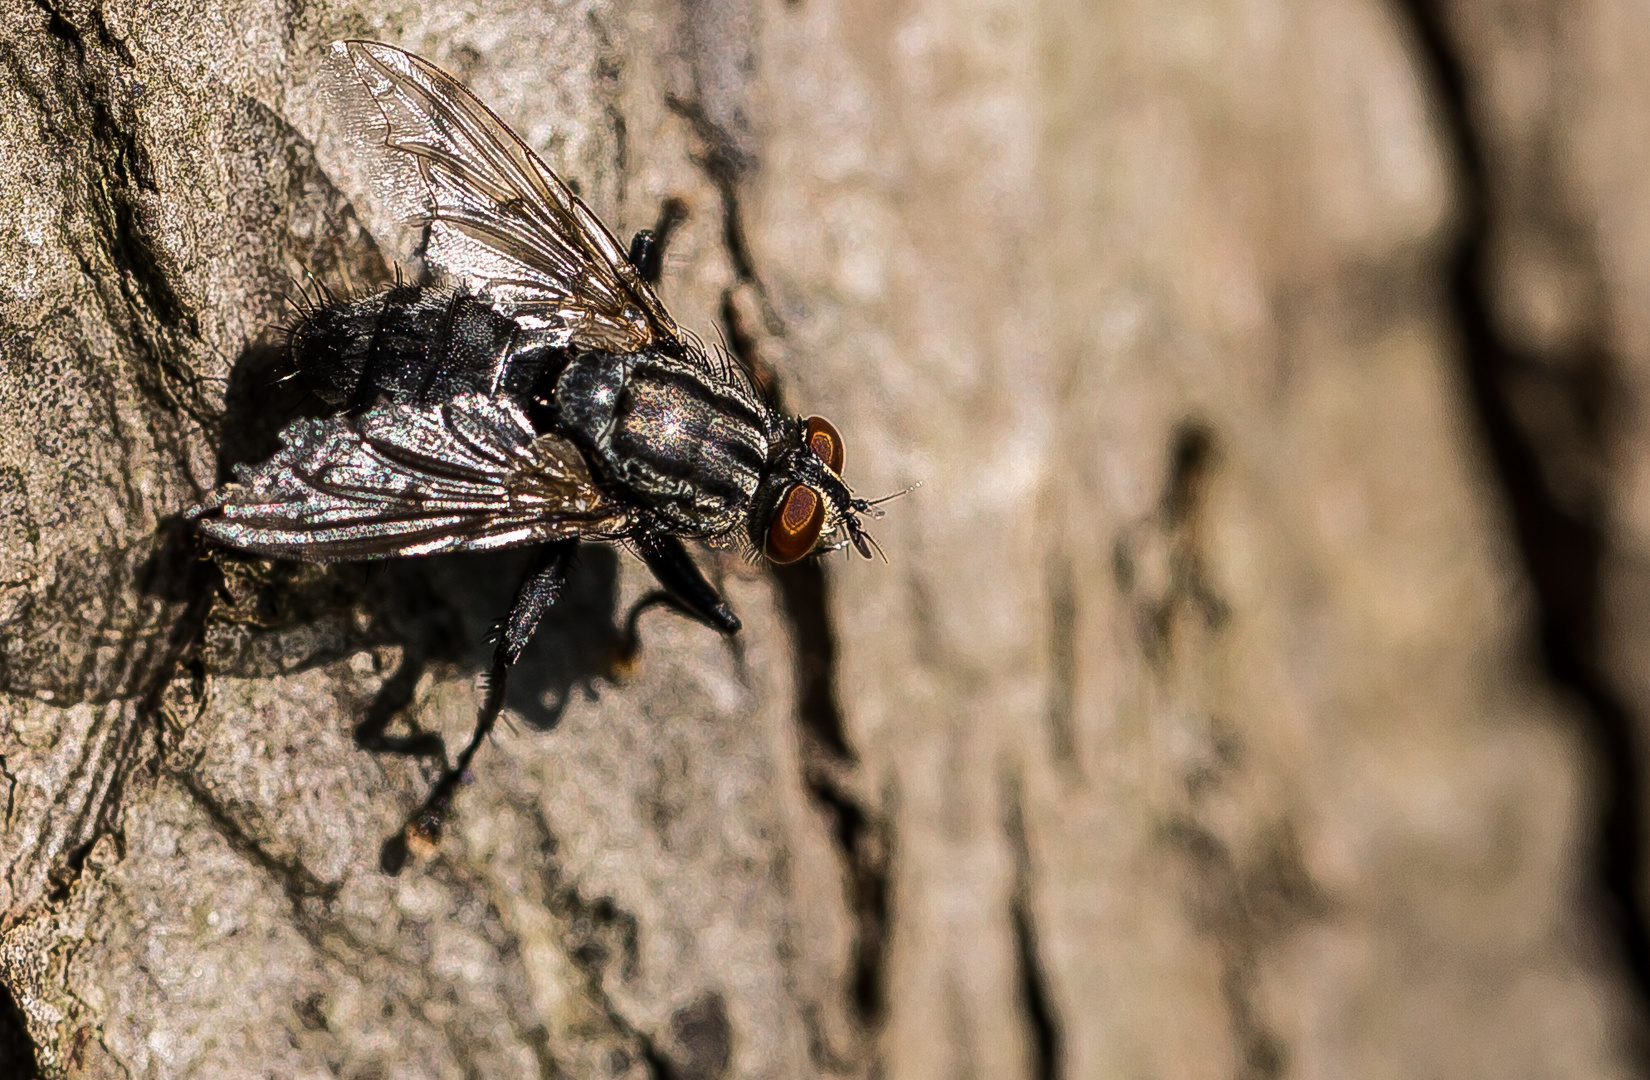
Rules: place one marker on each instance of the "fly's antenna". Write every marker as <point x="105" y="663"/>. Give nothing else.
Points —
<point x="864" y="542"/>
<point x="865" y="506"/>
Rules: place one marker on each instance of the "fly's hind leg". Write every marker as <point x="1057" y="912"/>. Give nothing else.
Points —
<point x="543" y="584"/>
<point x="647" y="248"/>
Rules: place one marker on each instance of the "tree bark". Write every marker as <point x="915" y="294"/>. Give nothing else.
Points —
<point x="1252" y="687"/>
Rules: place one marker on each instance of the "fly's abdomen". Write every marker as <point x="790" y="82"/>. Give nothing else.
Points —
<point x="412" y="342"/>
<point x="686" y="445"/>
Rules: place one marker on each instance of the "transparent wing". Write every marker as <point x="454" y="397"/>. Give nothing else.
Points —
<point x="403" y="479"/>
<point x="500" y="221"/>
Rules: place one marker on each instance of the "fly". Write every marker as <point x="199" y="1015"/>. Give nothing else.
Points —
<point x="538" y="393"/>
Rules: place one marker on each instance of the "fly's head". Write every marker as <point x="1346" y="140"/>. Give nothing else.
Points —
<point x="802" y="505"/>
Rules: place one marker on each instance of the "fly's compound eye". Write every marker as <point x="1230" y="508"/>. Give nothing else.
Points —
<point x="825" y="442"/>
<point x="796" y="525"/>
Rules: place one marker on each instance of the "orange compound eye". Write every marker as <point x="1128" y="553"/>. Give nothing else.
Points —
<point x="826" y="443"/>
<point x="796" y="525"/>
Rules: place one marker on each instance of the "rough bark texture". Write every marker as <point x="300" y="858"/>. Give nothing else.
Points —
<point x="1256" y="686"/>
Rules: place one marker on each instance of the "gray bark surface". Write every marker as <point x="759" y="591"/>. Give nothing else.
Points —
<point x="1253" y="686"/>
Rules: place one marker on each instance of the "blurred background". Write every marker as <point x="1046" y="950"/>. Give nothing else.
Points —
<point x="1256" y="686"/>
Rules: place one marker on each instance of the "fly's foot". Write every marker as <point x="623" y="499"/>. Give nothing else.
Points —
<point x="420" y="837"/>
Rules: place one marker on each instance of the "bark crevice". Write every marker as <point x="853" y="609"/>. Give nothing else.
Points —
<point x="861" y="834"/>
<point x="1560" y="541"/>
<point x="1045" y="1033"/>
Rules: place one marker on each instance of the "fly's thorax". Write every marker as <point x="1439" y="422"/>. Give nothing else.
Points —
<point x="684" y="441"/>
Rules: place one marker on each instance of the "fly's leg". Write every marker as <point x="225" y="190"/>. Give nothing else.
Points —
<point x="683" y="582"/>
<point x="647" y="248"/>
<point x="542" y="586"/>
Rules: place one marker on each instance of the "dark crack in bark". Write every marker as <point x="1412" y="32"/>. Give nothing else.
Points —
<point x="1561" y="540"/>
<point x="700" y="1039"/>
<point x="726" y="164"/>
<point x="863" y="837"/>
<point x="600" y="938"/>
<point x="1242" y="903"/>
<point x="1170" y="542"/>
<point x="1218" y="909"/>
<point x="140" y="298"/>
<point x="11" y="791"/>
<point x="1160" y="564"/>
<point x="1045" y="1033"/>
<point x="1061" y="713"/>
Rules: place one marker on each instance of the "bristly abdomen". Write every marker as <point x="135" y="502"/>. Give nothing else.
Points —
<point x="415" y="343"/>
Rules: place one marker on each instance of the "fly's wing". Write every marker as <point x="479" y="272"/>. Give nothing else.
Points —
<point x="500" y="221"/>
<point x="404" y="479"/>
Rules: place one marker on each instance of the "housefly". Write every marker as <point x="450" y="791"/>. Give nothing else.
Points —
<point x="537" y="392"/>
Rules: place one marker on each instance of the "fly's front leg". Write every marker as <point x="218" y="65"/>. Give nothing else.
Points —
<point x="647" y="248"/>
<point x="542" y="586"/>
<point x="675" y="569"/>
